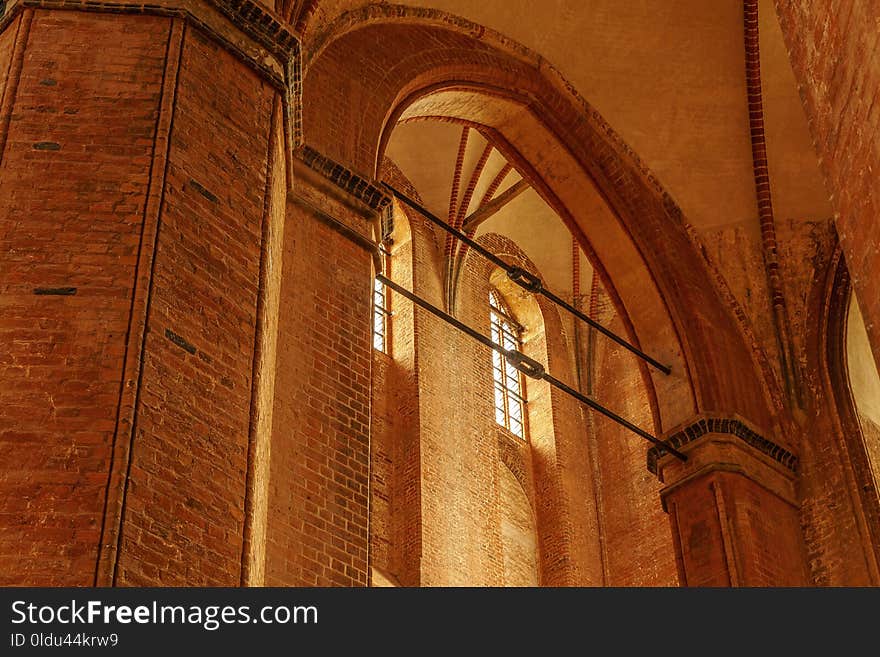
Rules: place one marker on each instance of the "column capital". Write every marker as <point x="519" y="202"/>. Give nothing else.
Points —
<point x="724" y="444"/>
<point x="725" y="453"/>
<point x="736" y="428"/>
<point x="350" y="204"/>
<point x="733" y="505"/>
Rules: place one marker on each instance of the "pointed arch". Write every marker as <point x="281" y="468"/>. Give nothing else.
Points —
<point x="650" y="260"/>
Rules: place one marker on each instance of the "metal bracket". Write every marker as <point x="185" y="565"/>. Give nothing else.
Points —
<point x="528" y="366"/>
<point x="525" y="280"/>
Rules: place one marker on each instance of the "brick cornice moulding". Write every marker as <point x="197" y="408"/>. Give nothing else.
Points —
<point x="263" y="25"/>
<point x="732" y="426"/>
<point x="364" y="190"/>
<point x="246" y="28"/>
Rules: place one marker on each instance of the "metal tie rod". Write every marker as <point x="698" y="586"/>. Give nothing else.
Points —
<point x="526" y="280"/>
<point x="527" y="366"/>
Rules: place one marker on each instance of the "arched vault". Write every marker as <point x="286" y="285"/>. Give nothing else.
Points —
<point x="384" y="64"/>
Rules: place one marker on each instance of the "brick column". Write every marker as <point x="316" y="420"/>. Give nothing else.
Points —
<point x="318" y="513"/>
<point x="136" y="180"/>
<point x="732" y="507"/>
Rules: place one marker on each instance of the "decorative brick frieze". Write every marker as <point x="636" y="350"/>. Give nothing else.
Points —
<point x="262" y="24"/>
<point x="732" y="426"/>
<point x="362" y="189"/>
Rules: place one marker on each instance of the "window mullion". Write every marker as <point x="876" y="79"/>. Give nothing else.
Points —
<point x="505" y="331"/>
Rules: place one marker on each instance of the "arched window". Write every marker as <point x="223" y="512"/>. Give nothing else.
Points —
<point x="509" y="389"/>
<point x="381" y="307"/>
<point x="381" y="315"/>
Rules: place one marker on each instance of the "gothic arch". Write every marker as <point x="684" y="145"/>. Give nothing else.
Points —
<point x="385" y="63"/>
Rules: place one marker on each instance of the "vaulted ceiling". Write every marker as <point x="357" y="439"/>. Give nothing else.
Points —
<point x="669" y="77"/>
<point x="483" y="174"/>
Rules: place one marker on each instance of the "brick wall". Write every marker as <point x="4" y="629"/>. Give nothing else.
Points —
<point x="638" y="543"/>
<point x="318" y="485"/>
<point x="9" y="37"/>
<point x="184" y="507"/>
<point x="733" y="531"/>
<point x="871" y="433"/>
<point x="518" y="533"/>
<point x="694" y="521"/>
<point x="395" y="452"/>
<point x="383" y="491"/>
<point x="461" y="542"/>
<point x="142" y="177"/>
<point x="831" y="514"/>
<point x="838" y="503"/>
<point x="771" y="540"/>
<point x="75" y="173"/>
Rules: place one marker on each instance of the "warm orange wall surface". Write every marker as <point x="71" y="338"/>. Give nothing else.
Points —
<point x="317" y="527"/>
<point x="184" y="510"/>
<point x="74" y="178"/>
<point x="86" y="142"/>
<point x="471" y="527"/>
<point x="143" y="159"/>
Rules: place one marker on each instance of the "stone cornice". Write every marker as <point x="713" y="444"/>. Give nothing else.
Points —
<point x="364" y="190"/>
<point x="732" y="426"/>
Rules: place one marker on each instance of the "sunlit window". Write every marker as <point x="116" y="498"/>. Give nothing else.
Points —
<point x="509" y="400"/>
<point x="381" y="316"/>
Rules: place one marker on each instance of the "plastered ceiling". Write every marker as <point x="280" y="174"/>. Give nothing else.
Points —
<point x="669" y="77"/>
